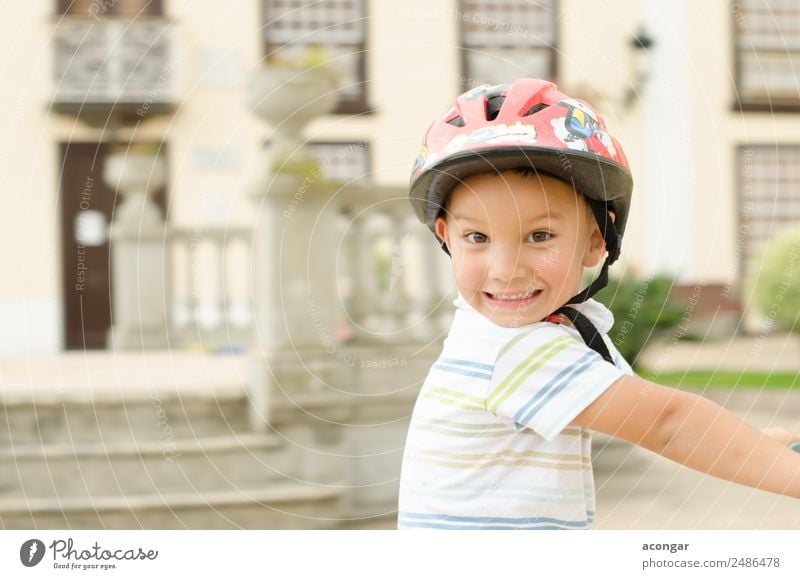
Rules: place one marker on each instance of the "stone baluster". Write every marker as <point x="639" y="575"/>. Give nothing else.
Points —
<point x="223" y="299"/>
<point x="353" y="258"/>
<point x="192" y="254"/>
<point x="375" y="270"/>
<point x="138" y="252"/>
<point x="400" y="304"/>
<point x="436" y="296"/>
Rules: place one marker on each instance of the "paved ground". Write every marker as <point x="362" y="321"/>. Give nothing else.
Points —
<point x="769" y="353"/>
<point x="636" y="489"/>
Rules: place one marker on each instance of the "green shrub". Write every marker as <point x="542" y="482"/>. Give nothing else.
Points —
<point x="775" y="281"/>
<point x="642" y="311"/>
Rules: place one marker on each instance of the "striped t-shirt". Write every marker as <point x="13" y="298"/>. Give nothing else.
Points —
<point x="490" y="444"/>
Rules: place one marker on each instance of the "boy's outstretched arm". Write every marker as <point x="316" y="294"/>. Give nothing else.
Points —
<point x="693" y="431"/>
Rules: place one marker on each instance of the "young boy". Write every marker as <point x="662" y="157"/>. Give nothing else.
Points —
<point x="524" y="187"/>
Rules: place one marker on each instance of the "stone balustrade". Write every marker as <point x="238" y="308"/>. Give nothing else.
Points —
<point x="396" y="279"/>
<point x="210" y="303"/>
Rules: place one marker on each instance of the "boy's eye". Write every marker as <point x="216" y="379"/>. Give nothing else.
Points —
<point x="539" y="236"/>
<point x="476" y="237"/>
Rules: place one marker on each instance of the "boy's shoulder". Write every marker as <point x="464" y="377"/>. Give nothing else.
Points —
<point x="473" y="336"/>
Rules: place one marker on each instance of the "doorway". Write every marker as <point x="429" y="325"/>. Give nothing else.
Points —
<point x="87" y="208"/>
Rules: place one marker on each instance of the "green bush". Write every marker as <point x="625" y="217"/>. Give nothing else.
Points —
<point x="775" y="281"/>
<point x="642" y="311"/>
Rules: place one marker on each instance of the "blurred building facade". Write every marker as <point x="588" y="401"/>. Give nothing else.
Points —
<point x="703" y="96"/>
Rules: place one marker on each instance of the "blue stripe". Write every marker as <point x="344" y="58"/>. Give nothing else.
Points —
<point x="556" y="385"/>
<point x="458" y="362"/>
<point x="490" y="520"/>
<point x="491" y="527"/>
<point x="464" y="372"/>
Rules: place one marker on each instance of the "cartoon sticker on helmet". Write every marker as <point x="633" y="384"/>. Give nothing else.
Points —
<point x="580" y="129"/>
<point x="502" y="133"/>
<point x="420" y="160"/>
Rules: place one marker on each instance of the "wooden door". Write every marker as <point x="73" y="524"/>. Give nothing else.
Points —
<point x="87" y="208"/>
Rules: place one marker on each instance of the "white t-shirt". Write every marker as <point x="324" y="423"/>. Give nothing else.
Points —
<point x="489" y="444"/>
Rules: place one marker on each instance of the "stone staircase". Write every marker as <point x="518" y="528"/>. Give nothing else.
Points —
<point x="161" y="458"/>
<point x="179" y="462"/>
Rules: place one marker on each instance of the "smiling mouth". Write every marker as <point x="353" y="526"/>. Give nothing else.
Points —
<point x="513" y="298"/>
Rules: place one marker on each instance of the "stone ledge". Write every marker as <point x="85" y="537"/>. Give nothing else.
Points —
<point x="276" y="493"/>
<point x="102" y="377"/>
<point x="139" y="448"/>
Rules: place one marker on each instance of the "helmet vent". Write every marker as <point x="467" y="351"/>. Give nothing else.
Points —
<point x="456" y="121"/>
<point x="535" y="109"/>
<point x="493" y="105"/>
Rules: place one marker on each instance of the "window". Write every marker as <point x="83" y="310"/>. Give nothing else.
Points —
<point x="769" y="197"/>
<point x="507" y="39"/>
<point x="767" y="37"/>
<point x="291" y="26"/>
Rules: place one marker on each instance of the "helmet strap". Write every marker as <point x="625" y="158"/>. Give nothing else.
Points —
<point x="443" y="245"/>
<point x="585" y="327"/>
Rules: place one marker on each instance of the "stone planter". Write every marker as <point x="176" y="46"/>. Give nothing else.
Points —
<point x="138" y="252"/>
<point x="288" y="97"/>
<point x="136" y="176"/>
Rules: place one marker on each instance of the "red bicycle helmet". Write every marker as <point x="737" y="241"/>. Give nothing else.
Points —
<point x="528" y="124"/>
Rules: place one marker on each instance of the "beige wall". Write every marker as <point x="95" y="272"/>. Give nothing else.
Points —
<point x="29" y="307"/>
<point x="412" y="79"/>
<point x="595" y="63"/>
<point x="717" y="131"/>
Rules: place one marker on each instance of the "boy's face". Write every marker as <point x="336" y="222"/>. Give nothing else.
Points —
<point x="518" y="244"/>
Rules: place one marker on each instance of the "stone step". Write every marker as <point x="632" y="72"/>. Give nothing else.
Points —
<point x="129" y="468"/>
<point x="289" y="505"/>
<point x="161" y="418"/>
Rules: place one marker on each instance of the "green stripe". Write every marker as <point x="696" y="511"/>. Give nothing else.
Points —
<point x="499" y="495"/>
<point x="525" y="369"/>
<point x="456" y="394"/>
<point x="559" y="492"/>
<point x="471" y="456"/>
<point x="463" y="433"/>
<point x="444" y="400"/>
<point x="468" y="425"/>
<point x="502" y="461"/>
<point x="511" y="342"/>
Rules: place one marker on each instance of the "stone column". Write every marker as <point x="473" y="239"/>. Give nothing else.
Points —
<point x="294" y="241"/>
<point x="138" y="252"/>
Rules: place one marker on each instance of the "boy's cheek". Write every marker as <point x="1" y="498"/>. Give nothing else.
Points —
<point x="552" y="257"/>
<point x="549" y="261"/>
<point x="467" y="273"/>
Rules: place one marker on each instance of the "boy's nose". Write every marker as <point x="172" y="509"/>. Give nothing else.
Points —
<point x="505" y="264"/>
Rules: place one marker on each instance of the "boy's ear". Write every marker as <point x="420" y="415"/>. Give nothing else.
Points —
<point x="440" y="227"/>
<point x="595" y="250"/>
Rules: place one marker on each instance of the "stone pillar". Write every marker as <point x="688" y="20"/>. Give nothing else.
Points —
<point x="138" y="252"/>
<point x="341" y="404"/>
<point x="294" y="240"/>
